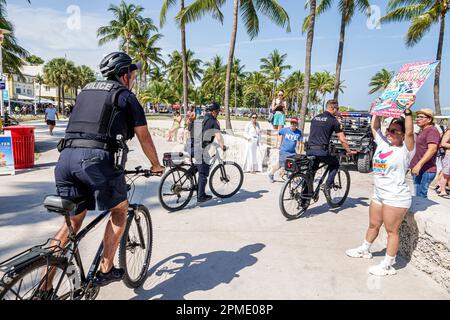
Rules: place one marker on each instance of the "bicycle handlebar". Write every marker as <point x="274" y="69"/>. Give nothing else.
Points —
<point x="143" y="172"/>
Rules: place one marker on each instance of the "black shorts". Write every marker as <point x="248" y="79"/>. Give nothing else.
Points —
<point x="51" y="122"/>
<point x="89" y="173"/>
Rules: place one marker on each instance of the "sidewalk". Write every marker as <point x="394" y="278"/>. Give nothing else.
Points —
<point x="238" y="248"/>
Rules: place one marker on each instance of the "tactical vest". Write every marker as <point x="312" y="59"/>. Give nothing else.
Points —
<point x="96" y="110"/>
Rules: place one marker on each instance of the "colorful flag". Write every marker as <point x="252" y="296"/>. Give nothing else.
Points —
<point x="402" y="88"/>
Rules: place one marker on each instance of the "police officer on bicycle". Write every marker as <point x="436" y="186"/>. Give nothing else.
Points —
<point x="93" y="154"/>
<point x="322" y="128"/>
<point x="203" y="133"/>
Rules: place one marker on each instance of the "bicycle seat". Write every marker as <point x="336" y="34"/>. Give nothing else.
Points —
<point x="62" y="205"/>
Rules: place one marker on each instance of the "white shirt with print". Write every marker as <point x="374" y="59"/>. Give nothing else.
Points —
<point x="390" y="165"/>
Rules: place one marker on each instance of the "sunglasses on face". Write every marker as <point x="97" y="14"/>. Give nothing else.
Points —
<point x="422" y="117"/>
<point x="253" y="117"/>
<point x="393" y="131"/>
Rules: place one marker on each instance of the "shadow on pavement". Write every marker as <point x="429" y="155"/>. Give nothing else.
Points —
<point x="349" y="203"/>
<point x="181" y="274"/>
<point x="241" y="196"/>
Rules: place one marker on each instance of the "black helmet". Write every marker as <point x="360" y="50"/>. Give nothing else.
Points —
<point x="213" y="107"/>
<point x="113" y="63"/>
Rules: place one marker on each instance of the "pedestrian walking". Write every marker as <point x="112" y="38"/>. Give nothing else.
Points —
<point x="51" y="114"/>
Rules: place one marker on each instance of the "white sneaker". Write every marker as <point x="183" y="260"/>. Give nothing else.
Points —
<point x="382" y="270"/>
<point x="358" y="253"/>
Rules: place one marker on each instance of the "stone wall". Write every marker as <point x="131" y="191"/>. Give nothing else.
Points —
<point x="425" y="239"/>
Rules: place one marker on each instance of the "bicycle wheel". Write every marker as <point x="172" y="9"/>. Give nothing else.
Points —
<point x="340" y="189"/>
<point x="24" y="284"/>
<point x="226" y="179"/>
<point x="295" y="197"/>
<point x="176" y="188"/>
<point x="136" y="247"/>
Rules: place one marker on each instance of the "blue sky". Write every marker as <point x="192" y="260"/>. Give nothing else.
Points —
<point x="48" y="28"/>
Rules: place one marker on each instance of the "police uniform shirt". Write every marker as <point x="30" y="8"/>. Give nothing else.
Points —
<point x="322" y="128"/>
<point x="132" y="114"/>
<point x="210" y="127"/>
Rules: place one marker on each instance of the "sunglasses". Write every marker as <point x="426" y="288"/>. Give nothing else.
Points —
<point x="422" y="117"/>
<point x="280" y="94"/>
<point x="253" y="117"/>
<point x="393" y="131"/>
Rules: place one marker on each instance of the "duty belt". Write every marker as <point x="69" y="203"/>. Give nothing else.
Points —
<point x="84" y="143"/>
<point x="318" y="147"/>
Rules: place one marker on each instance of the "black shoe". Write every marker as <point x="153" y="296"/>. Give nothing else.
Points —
<point x="204" y="199"/>
<point x="326" y="190"/>
<point x="103" y="279"/>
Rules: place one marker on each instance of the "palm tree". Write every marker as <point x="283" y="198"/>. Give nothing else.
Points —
<point x="83" y="75"/>
<point x="165" y="7"/>
<point x="157" y="92"/>
<point x="257" y="86"/>
<point x="144" y="51"/>
<point x="380" y="80"/>
<point x="59" y="72"/>
<point x="213" y="76"/>
<point x="309" y="43"/>
<point x="273" y="67"/>
<point x="13" y="54"/>
<point x="347" y="9"/>
<point x="40" y="81"/>
<point x="127" y="19"/>
<point x="249" y="13"/>
<point x="422" y="14"/>
<point x="175" y="68"/>
<point x="237" y="78"/>
<point x="293" y="87"/>
<point x="322" y="83"/>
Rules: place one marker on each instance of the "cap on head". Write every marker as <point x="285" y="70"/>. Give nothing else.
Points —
<point x="213" y="107"/>
<point x="113" y="63"/>
<point x="294" y="121"/>
<point x="427" y="112"/>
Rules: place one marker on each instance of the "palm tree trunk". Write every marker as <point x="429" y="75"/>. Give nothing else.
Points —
<point x="185" y="66"/>
<point x="309" y="44"/>
<point x="337" y="79"/>
<point x="63" y="99"/>
<point x="58" y="94"/>
<point x="230" y="64"/>
<point x="437" y="103"/>
<point x="40" y="87"/>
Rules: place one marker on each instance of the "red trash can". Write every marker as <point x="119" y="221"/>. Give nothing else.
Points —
<point x="23" y="146"/>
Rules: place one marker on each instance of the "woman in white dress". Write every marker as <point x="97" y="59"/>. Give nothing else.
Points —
<point x="253" y="159"/>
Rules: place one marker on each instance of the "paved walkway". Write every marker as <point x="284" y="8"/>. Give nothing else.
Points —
<point x="239" y="248"/>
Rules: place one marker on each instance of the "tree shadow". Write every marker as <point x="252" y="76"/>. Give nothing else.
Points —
<point x="325" y="208"/>
<point x="181" y="274"/>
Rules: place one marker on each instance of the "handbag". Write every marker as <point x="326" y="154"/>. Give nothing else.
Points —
<point x="270" y="117"/>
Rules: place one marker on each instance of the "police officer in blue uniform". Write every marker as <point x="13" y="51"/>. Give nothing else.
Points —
<point x="322" y="128"/>
<point x="203" y="133"/>
<point x="106" y="114"/>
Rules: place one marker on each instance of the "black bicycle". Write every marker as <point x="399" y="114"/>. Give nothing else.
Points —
<point x="51" y="266"/>
<point x="179" y="183"/>
<point x="304" y="185"/>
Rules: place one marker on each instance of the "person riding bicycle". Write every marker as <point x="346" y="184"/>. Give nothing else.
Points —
<point x="322" y="128"/>
<point x="289" y="143"/>
<point x="203" y="133"/>
<point x="93" y="154"/>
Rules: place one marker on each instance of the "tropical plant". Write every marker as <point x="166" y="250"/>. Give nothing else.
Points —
<point x="257" y="87"/>
<point x="175" y="69"/>
<point x="274" y="67"/>
<point x="293" y="88"/>
<point x="35" y="60"/>
<point x="322" y="83"/>
<point x="238" y="77"/>
<point x="249" y="13"/>
<point x="127" y="19"/>
<point x="144" y="51"/>
<point x="347" y="10"/>
<point x="165" y="7"/>
<point x="59" y="72"/>
<point x="422" y="14"/>
<point x="157" y="93"/>
<point x="213" y="77"/>
<point x="13" y="54"/>
<point x="380" y="80"/>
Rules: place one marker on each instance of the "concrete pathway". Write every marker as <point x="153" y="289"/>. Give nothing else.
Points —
<point x="238" y="248"/>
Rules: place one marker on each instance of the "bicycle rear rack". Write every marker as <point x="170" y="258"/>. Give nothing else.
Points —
<point x="24" y="258"/>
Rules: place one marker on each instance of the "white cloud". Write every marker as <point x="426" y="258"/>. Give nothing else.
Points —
<point x="50" y="33"/>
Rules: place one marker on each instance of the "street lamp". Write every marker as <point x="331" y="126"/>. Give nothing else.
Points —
<point x="3" y="32"/>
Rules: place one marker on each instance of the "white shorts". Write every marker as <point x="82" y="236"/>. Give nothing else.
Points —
<point x="398" y="203"/>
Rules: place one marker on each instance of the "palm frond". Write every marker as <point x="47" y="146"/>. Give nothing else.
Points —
<point x="420" y="25"/>
<point x="275" y="12"/>
<point x="165" y="7"/>
<point x="404" y="13"/>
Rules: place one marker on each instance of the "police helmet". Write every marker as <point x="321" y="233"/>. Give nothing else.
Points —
<point x="213" y="107"/>
<point x="113" y="63"/>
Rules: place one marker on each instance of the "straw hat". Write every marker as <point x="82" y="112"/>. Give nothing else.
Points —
<point x="427" y="112"/>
